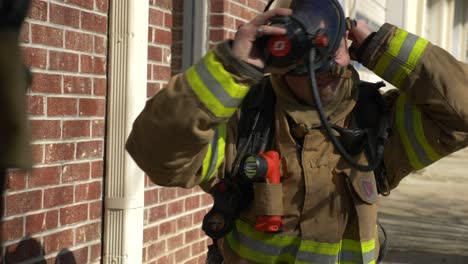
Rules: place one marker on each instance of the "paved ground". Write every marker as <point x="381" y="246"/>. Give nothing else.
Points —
<point x="426" y="217"/>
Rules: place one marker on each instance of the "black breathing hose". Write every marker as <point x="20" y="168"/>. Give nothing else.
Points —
<point x="318" y="104"/>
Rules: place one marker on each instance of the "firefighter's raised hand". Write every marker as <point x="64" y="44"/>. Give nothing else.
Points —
<point x="360" y="32"/>
<point x="358" y="35"/>
<point x="244" y="42"/>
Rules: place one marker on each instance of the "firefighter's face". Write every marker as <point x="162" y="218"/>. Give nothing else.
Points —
<point x="326" y="83"/>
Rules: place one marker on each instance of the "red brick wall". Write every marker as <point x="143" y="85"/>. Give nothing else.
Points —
<point x="56" y="208"/>
<point x="173" y="216"/>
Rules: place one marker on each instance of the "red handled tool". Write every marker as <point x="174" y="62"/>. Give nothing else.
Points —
<point x="265" y="167"/>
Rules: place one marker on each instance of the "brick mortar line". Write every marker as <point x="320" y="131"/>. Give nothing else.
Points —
<point x="71" y="96"/>
<point x="65" y="28"/>
<point x="51" y="24"/>
<point x="78" y="7"/>
<point x="172" y="218"/>
<point x="63" y="162"/>
<point x="62" y="49"/>
<point x="245" y="7"/>
<point x="169" y="11"/>
<point x="72" y="74"/>
<point x="40" y="118"/>
<point x="150" y="44"/>
<point x="47" y="187"/>
<point x="152" y="26"/>
<point x="177" y="199"/>
<point x="53" y="231"/>
<point x="157" y="63"/>
<point x="157" y="81"/>
<point x="69" y="73"/>
<point x="170" y="252"/>
<point x="145" y="244"/>
<point x="54" y="141"/>
<point x="58" y="209"/>
<point x="229" y="15"/>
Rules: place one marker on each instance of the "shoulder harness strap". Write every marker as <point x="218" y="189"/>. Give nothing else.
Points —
<point x="256" y="124"/>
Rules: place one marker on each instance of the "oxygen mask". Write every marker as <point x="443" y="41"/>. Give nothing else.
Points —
<point x="317" y="25"/>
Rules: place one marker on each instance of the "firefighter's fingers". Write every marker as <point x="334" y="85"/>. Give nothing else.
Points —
<point x="264" y="18"/>
<point x="359" y="32"/>
<point x="265" y="30"/>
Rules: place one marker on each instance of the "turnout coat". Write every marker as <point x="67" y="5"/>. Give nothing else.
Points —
<point x="186" y="136"/>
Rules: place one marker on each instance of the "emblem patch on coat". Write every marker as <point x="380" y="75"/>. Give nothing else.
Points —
<point x="368" y="189"/>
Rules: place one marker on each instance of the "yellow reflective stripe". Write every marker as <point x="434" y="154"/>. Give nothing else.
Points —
<point x="221" y="149"/>
<point x="392" y="52"/>
<point x="215" y="86"/>
<point x="204" y="94"/>
<point x="271" y="248"/>
<point x="410" y="127"/>
<point x="419" y="131"/>
<point x="400" y="58"/>
<point x="356" y="246"/>
<point x="224" y="78"/>
<point x="320" y="248"/>
<point x="206" y="164"/>
<point x="400" y="123"/>
<point x="383" y="63"/>
<point x="268" y="238"/>
<point x="413" y="59"/>
<point x="253" y="255"/>
<point x="417" y="51"/>
<point x="215" y="154"/>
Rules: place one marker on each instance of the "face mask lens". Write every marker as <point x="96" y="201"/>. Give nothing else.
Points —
<point x="324" y="20"/>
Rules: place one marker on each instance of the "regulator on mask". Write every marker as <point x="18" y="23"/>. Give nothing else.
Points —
<point x="313" y="25"/>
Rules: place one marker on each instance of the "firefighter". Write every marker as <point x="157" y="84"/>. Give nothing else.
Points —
<point x="187" y="136"/>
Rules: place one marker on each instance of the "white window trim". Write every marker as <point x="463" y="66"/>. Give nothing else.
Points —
<point x="195" y="31"/>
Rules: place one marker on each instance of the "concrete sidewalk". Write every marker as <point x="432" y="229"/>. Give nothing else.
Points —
<point x="426" y="217"/>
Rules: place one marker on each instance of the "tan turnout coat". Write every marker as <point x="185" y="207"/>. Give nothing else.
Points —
<point x="329" y="208"/>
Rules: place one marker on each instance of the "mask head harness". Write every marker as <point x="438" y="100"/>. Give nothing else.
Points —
<point x="318" y="25"/>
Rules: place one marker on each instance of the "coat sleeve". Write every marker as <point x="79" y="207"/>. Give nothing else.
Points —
<point x="430" y="116"/>
<point x="185" y="131"/>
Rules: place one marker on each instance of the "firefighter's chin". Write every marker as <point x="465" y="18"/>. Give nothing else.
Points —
<point x="300" y="87"/>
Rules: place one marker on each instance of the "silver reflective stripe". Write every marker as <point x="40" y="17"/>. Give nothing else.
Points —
<point x="357" y="257"/>
<point x="293" y="250"/>
<point x="214" y="153"/>
<point x="215" y="87"/>
<point x="316" y="258"/>
<point x="261" y="247"/>
<point x="402" y="58"/>
<point x="410" y="132"/>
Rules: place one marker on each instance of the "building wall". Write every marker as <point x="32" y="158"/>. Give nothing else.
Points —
<point x="444" y="23"/>
<point x="55" y="209"/>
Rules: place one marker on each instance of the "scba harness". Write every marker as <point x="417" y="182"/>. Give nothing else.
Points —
<point x="368" y="132"/>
